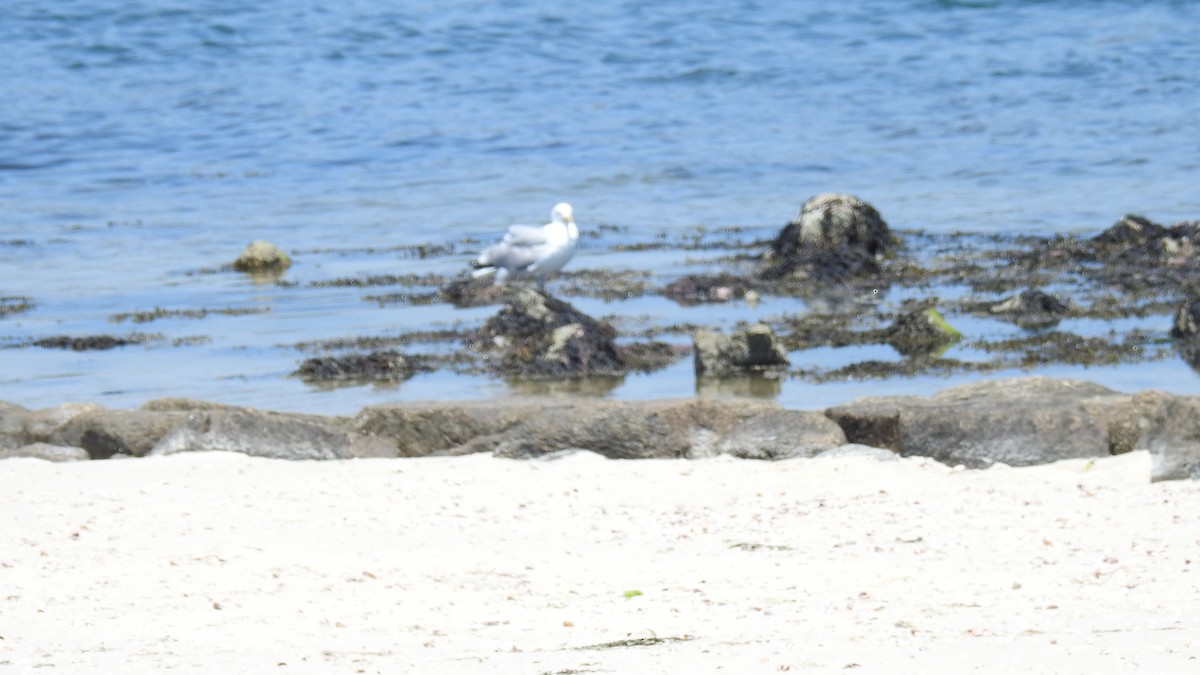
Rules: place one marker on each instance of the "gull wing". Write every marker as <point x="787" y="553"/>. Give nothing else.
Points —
<point x="525" y="235"/>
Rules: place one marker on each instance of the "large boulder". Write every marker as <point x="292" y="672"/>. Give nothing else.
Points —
<point x="834" y="221"/>
<point x="50" y="453"/>
<point x="755" y="349"/>
<point x="1018" y="422"/>
<point x="267" y="434"/>
<point x="1168" y="426"/>
<point x="782" y="434"/>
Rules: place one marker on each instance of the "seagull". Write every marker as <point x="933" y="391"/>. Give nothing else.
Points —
<point x="532" y="251"/>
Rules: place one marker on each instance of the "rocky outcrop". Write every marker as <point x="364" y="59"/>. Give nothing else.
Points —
<point x="436" y="428"/>
<point x="782" y="434"/>
<point x="50" y="453"/>
<point x="835" y="238"/>
<point x="262" y="256"/>
<point x="105" y="433"/>
<point x="755" y="349"/>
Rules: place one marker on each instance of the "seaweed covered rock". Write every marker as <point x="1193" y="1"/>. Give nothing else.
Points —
<point x="754" y="349"/>
<point x="1137" y="239"/>
<point x="835" y="237"/>
<point x="1130" y="230"/>
<point x="262" y="256"/>
<point x="1031" y="309"/>
<point x="383" y="366"/>
<point x="921" y="333"/>
<point x="1187" y="321"/>
<point x="539" y="335"/>
<point x="472" y="292"/>
<point x="698" y="289"/>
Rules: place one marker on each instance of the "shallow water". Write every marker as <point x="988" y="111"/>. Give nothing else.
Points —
<point x="143" y="146"/>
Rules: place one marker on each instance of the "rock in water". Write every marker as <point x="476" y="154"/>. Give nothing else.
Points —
<point x="833" y="221"/>
<point x="922" y="333"/>
<point x="1187" y="320"/>
<point x="750" y="350"/>
<point x="262" y="256"/>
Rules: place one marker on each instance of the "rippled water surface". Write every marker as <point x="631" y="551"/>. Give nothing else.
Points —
<point x="143" y="144"/>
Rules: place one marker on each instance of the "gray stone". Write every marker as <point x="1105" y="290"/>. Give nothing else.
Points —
<point x="624" y="429"/>
<point x="50" y="453"/>
<point x="41" y="424"/>
<point x="262" y="256"/>
<point x="104" y="433"/>
<point x="432" y="428"/>
<point x="754" y="349"/>
<point x="12" y="424"/>
<point x="1018" y="422"/>
<point x="275" y="435"/>
<point x="782" y="434"/>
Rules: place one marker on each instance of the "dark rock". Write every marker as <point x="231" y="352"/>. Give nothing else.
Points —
<point x="1131" y="230"/>
<point x="419" y="429"/>
<point x="834" y="221"/>
<point x="782" y="434"/>
<point x="1018" y="422"/>
<point x="699" y="289"/>
<point x="827" y="265"/>
<point x="539" y="335"/>
<point x="104" y="433"/>
<point x="262" y="256"/>
<point x="50" y="453"/>
<point x="921" y="333"/>
<point x="1187" y="320"/>
<point x="623" y="430"/>
<point x="275" y="435"/>
<point x="384" y="365"/>
<point x="1031" y="309"/>
<point x="753" y="349"/>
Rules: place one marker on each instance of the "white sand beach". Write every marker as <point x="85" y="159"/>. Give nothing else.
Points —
<point x="220" y="563"/>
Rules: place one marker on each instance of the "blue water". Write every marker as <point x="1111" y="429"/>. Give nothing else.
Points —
<point x="142" y="142"/>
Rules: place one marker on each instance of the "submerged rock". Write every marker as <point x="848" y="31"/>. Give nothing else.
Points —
<point x="1031" y="309"/>
<point x="921" y="333"/>
<point x="699" y="289"/>
<point x="753" y="349"/>
<point x="262" y="256"/>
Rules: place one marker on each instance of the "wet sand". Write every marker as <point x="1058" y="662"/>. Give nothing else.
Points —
<point x="224" y="563"/>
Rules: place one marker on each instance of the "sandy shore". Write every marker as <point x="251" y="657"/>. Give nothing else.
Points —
<point x="223" y="563"/>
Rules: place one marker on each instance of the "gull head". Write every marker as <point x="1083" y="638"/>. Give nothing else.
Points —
<point x="561" y="213"/>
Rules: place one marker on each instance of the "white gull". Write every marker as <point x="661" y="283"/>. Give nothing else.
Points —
<point x="532" y="251"/>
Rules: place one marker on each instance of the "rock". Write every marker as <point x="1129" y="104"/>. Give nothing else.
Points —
<point x="538" y="335"/>
<point x="623" y="430"/>
<point x="1165" y="425"/>
<point x="1187" y="320"/>
<point x="50" y="453"/>
<point x="384" y="365"/>
<point x="104" y="433"/>
<point x="262" y="256"/>
<point x="753" y="349"/>
<point x="184" y="404"/>
<point x="921" y="333"/>
<point x="12" y="425"/>
<point x="1017" y="421"/>
<point x="834" y="221"/>
<point x="699" y="289"/>
<point x="1130" y="230"/>
<point x="782" y="434"/>
<point x="41" y="424"/>
<point x="420" y="429"/>
<point x="826" y="265"/>
<point x="1032" y="309"/>
<point x="275" y="435"/>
